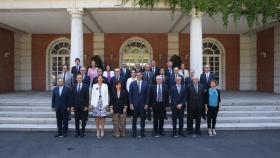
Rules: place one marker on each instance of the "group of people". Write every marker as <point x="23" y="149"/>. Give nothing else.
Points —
<point x="145" y="93"/>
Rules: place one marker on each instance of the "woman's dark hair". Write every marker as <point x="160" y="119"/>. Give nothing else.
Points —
<point x="118" y="82"/>
<point x="77" y="59"/>
<point x="109" y="66"/>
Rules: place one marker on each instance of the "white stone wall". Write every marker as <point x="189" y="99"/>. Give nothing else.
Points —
<point x="98" y="45"/>
<point x="22" y="62"/>
<point x="248" y="62"/>
<point x="277" y="59"/>
<point x="173" y="44"/>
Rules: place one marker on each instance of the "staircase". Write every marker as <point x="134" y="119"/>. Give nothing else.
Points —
<point x="32" y="112"/>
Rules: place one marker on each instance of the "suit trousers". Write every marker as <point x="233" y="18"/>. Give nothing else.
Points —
<point x="62" y="120"/>
<point x="119" y="123"/>
<point x="82" y="115"/>
<point x="158" y="116"/>
<point x="138" y="113"/>
<point x="212" y="116"/>
<point x="177" y="114"/>
<point x="193" y="113"/>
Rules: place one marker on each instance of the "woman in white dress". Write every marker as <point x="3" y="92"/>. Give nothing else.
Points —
<point x="183" y="71"/>
<point x="99" y="103"/>
<point x="129" y="80"/>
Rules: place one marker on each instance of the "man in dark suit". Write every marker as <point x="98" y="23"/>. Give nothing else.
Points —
<point x="76" y="69"/>
<point x="61" y="102"/>
<point x="169" y="70"/>
<point x="118" y="77"/>
<point x="138" y="67"/>
<point x="159" y="98"/>
<point x="188" y="80"/>
<point x="80" y="105"/>
<point x="195" y="99"/>
<point x="125" y="71"/>
<point x="85" y="77"/>
<point x="205" y="79"/>
<point x="138" y="100"/>
<point x="165" y="81"/>
<point x="154" y="68"/>
<point x="178" y="105"/>
<point x="172" y="78"/>
<point x="149" y="77"/>
<point x="100" y="73"/>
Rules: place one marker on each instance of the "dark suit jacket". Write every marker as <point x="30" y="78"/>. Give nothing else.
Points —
<point x="167" y="73"/>
<point x="153" y="95"/>
<point x="172" y="80"/>
<point x="94" y="80"/>
<point x="203" y="79"/>
<point x="139" y="100"/>
<point x="195" y="100"/>
<point x="64" y="101"/>
<point x="207" y="97"/>
<point x="74" y="71"/>
<point x="119" y="103"/>
<point x="114" y="79"/>
<point x="188" y="81"/>
<point x="80" y="98"/>
<point x="151" y="79"/>
<point x="166" y="81"/>
<point x="157" y="69"/>
<point x="177" y="98"/>
<point x="125" y="75"/>
<point x="86" y="80"/>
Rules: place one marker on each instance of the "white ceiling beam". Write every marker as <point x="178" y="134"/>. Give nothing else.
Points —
<point x="91" y="17"/>
<point x="5" y="26"/>
<point x="177" y="22"/>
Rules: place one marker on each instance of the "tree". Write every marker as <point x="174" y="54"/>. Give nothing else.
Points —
<point x="253" y="10"/>
<point x="176" y="60"/>
<point x="98" y="61"/>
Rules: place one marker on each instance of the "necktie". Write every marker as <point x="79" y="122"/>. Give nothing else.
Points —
<point x="124" y="70"/>
<point x="79" y="88"/>
<point x="170" y="71"/>
<point x="154" y="70"/>
<point x="117" y="78"/>
<point x="64" y="76"/>
<point x="196" y="89"/>
<point x="207" y="76"/>
<point x="60" y="91"/>
<point x="147" y="75"/>
<point x="77" y="67"/>
<point x="183" y="71"/>
<point x="179" y="89"/>
<point x="159" y="95"/>
<point x="139" y="86"/>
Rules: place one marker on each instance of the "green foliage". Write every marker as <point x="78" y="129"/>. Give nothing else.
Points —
<point x="176" y="60"/>
<point x="98" y="61"/>
<point x="253" y="10"/>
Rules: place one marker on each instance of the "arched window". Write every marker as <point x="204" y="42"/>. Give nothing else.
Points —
<point x="59" y="55"/>
<point x="136" y="50"/>
<point x="212" y="55"/>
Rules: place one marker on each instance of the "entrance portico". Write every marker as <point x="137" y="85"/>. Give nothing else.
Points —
<point x="101" y="28"/>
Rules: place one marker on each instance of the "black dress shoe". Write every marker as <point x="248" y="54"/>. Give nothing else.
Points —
<point x="65" y="135"/>
<point x="189" y="132"/>
<point x="134" y="135"/>
<point x="174" y="134"/>
<point x="198" y="133"/>
<point x="76" y="135"/>
<point x="82" y="135"/>
<point x="142" y="135"/>
<point x="58" y="135"/>
<point x="182" y="134"/>
<point x="161" y="133"/>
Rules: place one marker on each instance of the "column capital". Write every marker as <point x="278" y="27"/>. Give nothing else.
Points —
<point x="196" y="13"/>
<point x="76" y="11"/>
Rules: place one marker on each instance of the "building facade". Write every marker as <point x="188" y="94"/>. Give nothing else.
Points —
<point x="37" y="38"/>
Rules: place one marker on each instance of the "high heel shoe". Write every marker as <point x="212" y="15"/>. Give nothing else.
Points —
<point x="97" y="134"/>
<point x="214" y="132"/>
<point x="102" y="133"/>
<point x="210" y="132"/>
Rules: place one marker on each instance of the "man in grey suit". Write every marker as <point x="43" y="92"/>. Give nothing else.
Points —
<point x="67" y="77"/>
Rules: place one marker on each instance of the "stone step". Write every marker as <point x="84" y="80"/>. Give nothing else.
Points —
<point x="167" y="127"/>
<point x="23" y="120"/>
<point x="50" y="114"/>
<point x="224" y="108"/>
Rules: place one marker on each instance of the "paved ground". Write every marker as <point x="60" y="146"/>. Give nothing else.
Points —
<point x="227" y="144"/>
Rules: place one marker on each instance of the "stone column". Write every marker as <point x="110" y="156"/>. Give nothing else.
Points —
<point x="196" y="42"/>
<point x="77" y="43"/>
